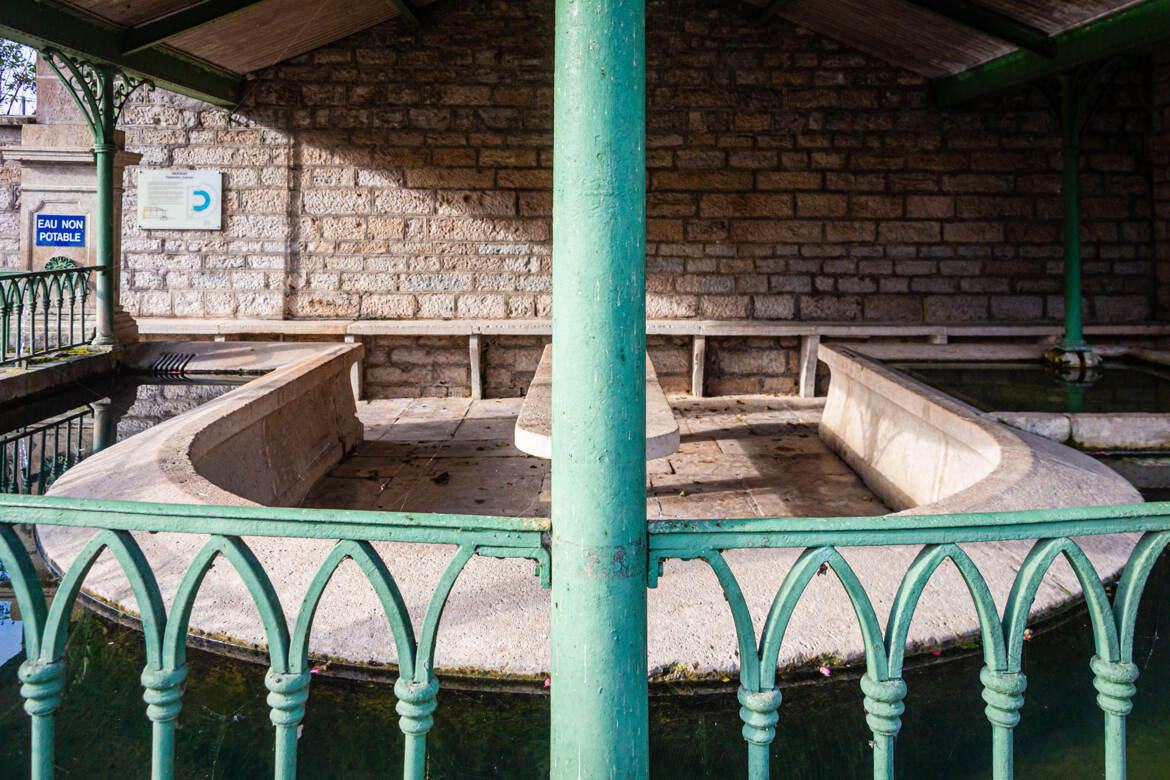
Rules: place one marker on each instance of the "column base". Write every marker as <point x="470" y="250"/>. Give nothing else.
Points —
<point x="1074" y="364"/>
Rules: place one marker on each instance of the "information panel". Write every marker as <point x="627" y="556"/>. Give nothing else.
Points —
<point x="60" y="230"/>
<point x="180" y="200"/>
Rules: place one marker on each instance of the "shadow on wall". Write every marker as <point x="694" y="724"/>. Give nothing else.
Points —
<point x="406" y="173"/>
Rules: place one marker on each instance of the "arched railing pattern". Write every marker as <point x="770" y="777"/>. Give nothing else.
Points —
<point x="43" y="312"/>
<point x="1114" y="673"/>
<point x="289" y="670"/>
<point x="820" y="541"/>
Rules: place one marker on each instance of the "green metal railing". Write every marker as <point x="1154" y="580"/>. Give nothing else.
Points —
<point x="33" y="457"/>
<point x="1114" y="672"/>
<point x="42" y="312"/>
<point x="288" y="678"/>
<point x="165" y="632"/>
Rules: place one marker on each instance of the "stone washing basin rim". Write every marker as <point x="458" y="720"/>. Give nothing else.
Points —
<point x="165" y="455"/>
<point x="699" y="610"/>
<point x="1027" y="471"/>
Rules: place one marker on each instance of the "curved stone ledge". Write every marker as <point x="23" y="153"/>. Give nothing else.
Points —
<point x="920" y="450"/>
<point x="265" y="442"/>
<point x="496" y="621"/>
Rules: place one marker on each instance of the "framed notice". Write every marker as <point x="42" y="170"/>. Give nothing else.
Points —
<point x="180" y="200"/>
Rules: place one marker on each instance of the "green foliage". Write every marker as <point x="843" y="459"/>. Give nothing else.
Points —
<point x="18" y="74"/>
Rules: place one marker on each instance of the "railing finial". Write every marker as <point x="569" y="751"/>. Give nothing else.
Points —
<point x="758" y="712"/>
<point x="1114" y="681"/>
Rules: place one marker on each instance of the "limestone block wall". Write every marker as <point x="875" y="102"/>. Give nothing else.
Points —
<point x="406" y="173"/>
<point x="1160" y="174"/>
<point x="10" y="197"/>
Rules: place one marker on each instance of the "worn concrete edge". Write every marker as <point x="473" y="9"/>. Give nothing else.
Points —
<point x="533" y="430"/>
<point x="159" y="464"/>
<point x="18" y="384"/>
<point x="223" y="357"/>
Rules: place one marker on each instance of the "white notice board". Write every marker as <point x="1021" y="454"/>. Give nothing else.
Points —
<point x="180" y="200"/>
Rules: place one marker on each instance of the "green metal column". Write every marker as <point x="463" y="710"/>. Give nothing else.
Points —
<point x="100" y="90"/>
<point x="599" y="543"/>
<point x="104" y="150"/>
<point x="1075" y="95"/>
<point x="1073" y="339"/>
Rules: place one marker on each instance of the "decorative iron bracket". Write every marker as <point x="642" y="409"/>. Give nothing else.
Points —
<point x="1075" y="94"/>
<point x="98" y="89"/>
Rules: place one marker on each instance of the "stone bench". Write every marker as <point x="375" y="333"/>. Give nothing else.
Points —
<point x="810" y="334"/>
<point x="534" y="425"/>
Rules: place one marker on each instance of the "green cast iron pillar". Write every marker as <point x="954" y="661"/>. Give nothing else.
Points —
<point x="100" y="91"/>
<point x="1075" y="96"/>
<point x="599" y="542"/>
<point x="1070" y="150"/>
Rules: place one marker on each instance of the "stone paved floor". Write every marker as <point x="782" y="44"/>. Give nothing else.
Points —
<point x="741" y="456"/>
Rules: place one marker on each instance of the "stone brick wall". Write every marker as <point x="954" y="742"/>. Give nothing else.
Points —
<point x="1160" y="175"/>
<point x="10" y="196"/>
<point x="406" y="173"/>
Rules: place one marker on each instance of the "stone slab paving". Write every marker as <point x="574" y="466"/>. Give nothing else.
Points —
<point x="749" y="456"/>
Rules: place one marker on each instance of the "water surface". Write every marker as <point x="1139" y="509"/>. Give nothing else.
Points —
<point x="994" y="386"/>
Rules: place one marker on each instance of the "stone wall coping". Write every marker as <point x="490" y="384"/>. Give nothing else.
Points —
<point x="64" y="156"/>
<point x="688" y="327"/>
<point x="184" y="460"/>
<point x="885" y="425"/>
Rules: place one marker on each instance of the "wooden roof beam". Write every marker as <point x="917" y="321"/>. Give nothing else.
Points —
<point x="42" y="24"/>
<point x="1137" y="28"/>
<point x="190" y="18"/>
<point x="991" y="22"/>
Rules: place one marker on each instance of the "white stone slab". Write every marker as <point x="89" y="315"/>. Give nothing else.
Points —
<point x="534" y="425"/>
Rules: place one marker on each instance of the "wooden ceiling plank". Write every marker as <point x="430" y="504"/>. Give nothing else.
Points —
<point x="190" y="18"/>
<point x="41" y="24"/>
<point x="278" y="30"/>
<point x="991" y="22"/>
<point x="1135" y="28"/>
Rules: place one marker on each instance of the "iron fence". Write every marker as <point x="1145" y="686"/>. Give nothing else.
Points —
<point x="289" y="673"/>
<point x="43" y="312"/>
<point x="33" y="457"/>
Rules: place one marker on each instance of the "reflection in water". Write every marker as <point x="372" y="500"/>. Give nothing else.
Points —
<point x="39" y="441"/>
<point x="1029" y="387"/>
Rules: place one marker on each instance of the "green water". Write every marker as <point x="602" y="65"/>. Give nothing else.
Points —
<point x="1030" y="387"/>
<point x="351" y="729"/>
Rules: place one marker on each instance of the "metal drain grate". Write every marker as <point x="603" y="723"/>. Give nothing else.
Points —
<point x="171" y="363"/>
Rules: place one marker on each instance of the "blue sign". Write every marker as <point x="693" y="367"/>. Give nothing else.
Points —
<point x="60" y="230"/>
